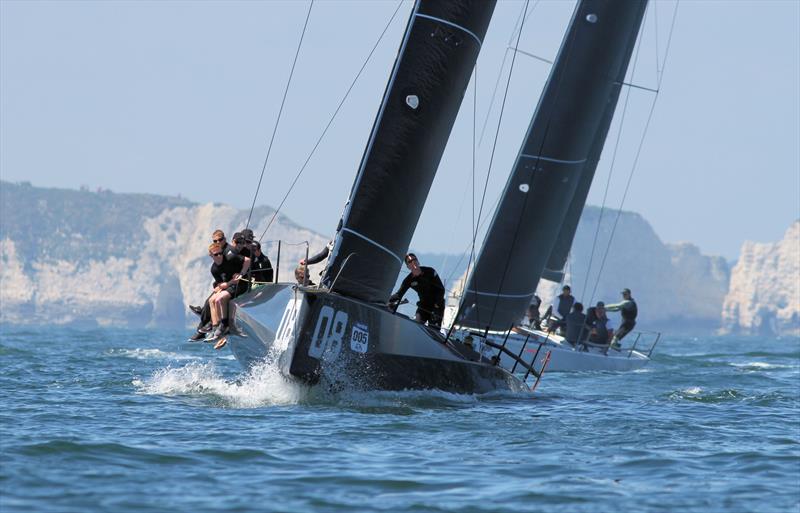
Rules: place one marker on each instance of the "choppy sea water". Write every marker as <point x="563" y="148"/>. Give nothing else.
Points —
<point x="125" y="420"/>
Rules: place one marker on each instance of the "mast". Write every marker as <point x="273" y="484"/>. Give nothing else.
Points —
<point x="420" y="104"/>
<point x="566" y="134"/>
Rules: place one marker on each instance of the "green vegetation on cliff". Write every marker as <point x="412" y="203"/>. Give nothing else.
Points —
<point x="64" y="223"/>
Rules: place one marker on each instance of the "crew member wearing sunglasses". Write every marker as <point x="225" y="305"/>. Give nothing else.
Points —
<point x="226" y="271"/>
<point x="429" y="288"/>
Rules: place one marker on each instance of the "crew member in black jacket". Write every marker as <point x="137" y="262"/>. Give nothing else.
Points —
<point x="429" y="288"/>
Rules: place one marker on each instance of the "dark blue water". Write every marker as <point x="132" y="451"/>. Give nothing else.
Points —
<point x="122" y="420"/>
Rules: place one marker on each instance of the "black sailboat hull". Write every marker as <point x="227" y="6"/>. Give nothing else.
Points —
<point x="318" y="337"/>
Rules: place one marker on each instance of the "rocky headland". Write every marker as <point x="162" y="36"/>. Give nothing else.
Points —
<point x="764" y="293"/>
<point x="102" y="258"/>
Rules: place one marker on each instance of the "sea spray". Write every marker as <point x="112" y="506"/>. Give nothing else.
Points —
<point x="262" y="385"/>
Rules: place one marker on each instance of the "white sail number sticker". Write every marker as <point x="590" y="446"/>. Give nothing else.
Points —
<point x="359" y="338"/>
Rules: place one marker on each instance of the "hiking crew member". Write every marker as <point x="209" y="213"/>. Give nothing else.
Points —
<point x="260" y="266"/>
<point x="204" y="326"/>
<point x="429" y="288"/>
<point x="597" y="321"/>
<point x="576" y="325"/>
<point x="226" y="272"/>
<point x="240" y="245"/>
<point x="565" y="302"/>
<point x="628" y="309"/>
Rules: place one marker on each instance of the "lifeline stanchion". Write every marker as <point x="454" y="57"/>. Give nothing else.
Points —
<point x="278" y="263"/>
<point x="519" y="356"/>
<point x="541" y="371"/>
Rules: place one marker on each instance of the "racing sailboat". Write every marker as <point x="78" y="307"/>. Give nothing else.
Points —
<point x="342" y="332"/>
<point x="552" y="175"/>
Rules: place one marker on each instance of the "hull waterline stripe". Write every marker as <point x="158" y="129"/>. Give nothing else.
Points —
<point x="348" y="230"/>
<point x="459" y="27"/>
<point x="500" y="295"/>
<point x="548" y="159"/>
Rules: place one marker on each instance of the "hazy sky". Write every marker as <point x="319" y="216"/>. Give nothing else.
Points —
<point x="181" y="98"/>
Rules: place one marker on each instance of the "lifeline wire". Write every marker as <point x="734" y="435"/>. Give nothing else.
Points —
<point x="280" y="112"/>
<point x="330" y="122"/>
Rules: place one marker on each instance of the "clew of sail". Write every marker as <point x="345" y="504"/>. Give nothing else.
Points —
<point x="420" y="104"/>
<point x="552" y="170"/>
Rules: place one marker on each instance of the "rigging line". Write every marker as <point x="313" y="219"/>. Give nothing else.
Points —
<point x="497" y="131"/>
<point x="638" y="151"/>
<point x="567" y="47"/>
<point x="280" y="112"/>
<point x="655" y="24"/>
<point x="669" y="42"/>
<point x="481" y="223"/>
<point x="624" y="196"/>
<point x="529" y="54"/>
<point x="474" y="125"/>
<point x="639" y="87"/>
<point x="517" y="26"/>
<point x="610" y="174"/>
<point x="466" y="186"/>
<point x="330" y="122"/>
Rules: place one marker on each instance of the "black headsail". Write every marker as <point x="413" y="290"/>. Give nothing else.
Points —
<point x="568" y="128"/>
<point x="554" y="269"/>
<point x="428" y="81"/>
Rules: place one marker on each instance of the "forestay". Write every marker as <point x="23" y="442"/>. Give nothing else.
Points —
<point x="419" y="107"/>
<point x="562" y="146"/>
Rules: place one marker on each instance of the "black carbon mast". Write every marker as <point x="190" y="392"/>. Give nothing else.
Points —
<point x="554" y="167"/>
<point x="420" y="104"/>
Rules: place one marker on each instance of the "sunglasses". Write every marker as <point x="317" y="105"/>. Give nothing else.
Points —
<point x="218" y="240"/>
<point x="216" y="254"/>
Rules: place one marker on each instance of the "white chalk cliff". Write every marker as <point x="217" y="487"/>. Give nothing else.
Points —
<point x="676" y="287"/>
<point x="142" y="270"/>
<point x="134" y="259"/>
<point x="764" y="293"/>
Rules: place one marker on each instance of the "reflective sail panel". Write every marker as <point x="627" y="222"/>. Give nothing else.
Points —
<point x="572" y="113"/>
<point x="419" y="107"/>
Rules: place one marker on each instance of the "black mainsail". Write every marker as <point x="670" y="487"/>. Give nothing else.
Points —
<point x="337" y="335"/>
<point x="551" y="173"/>
<point x="428" y="81"/>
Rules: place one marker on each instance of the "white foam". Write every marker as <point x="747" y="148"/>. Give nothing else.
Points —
<point x="153" y="354"/>
<point x="262" y="386"/>
<point x="760" y="365"/>
<point x="693" y="390"/>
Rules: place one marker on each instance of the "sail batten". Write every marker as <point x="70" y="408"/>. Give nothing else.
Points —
<point x="418" y="110"/>
<point x="558" y="153"/>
